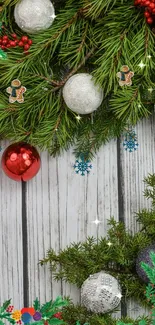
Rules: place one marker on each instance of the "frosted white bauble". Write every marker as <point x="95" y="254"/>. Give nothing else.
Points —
<point x="101" y="293"/>
<point x="33" y="16"/>
<point x="81" y="94"/>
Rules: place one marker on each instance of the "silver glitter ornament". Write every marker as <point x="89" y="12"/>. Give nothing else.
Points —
<point x="81" y="94"/>
<point x="144" y="256"/>
<point x="33" y="16"/>
<point x="101" y="293"/>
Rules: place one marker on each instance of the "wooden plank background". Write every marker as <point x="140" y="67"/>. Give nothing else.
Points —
<point x="57" y="207"/>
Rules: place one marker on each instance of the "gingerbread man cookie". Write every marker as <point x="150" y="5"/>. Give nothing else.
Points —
<point x="16" y="92"/>
<point x="125" y="76"/>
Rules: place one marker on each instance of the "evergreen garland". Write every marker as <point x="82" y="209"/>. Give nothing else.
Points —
<point x="93" y="36"/>
<point x="80" y="260"/>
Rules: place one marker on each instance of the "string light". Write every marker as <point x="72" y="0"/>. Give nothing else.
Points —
<point x="141" y="65"/>
<point x="109" y="243"/>
<point x="96" y="221"/>
<point x="150" y="90"/>
<point x="78" y="117"/>
<point x="53" y="16"/>
<point x="149" y="56"/>
<point x="119" y="295"/>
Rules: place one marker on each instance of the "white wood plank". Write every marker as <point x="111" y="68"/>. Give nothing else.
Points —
<point x="11" y="258"/>
<point x="135" y="167"/>
<point x="61" y="208"/>
<point x="107" y="186"/>
<point x="43" y="229"/>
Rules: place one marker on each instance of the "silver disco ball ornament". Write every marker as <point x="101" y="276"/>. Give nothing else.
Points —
<point x="144" y="256"/>
<point x="33" y="16"/>
<point x="101" y="293"/>
<point x="81" y="94"/>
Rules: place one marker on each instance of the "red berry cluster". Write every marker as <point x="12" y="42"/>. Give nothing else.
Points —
<point x="149" y="12"/>
<point x="6" y="43"/>
<point x="58" y="315"/>
<point x="10" y="309"/>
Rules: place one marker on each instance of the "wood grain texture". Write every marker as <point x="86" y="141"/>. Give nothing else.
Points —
<point x="11" y="252"/>
<point x="135" y="167"/>
<point x="61" y="206"/>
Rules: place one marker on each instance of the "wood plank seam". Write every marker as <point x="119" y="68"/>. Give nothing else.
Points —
<point x="120" y="208"/>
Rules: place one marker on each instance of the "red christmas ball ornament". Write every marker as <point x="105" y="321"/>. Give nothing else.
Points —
<point x="20" y="161"/>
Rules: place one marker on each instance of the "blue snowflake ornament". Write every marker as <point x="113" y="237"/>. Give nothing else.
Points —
<point x="130" y="142"/>
<point x="82" y="166"/>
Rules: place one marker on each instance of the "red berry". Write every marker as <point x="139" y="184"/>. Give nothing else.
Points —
<point x="4" y="42"/>
<point x="5" y="37"/>
<point x="12" y="43"/>
<point x="3" y="47"/>
<point x="14" y="35"/>
<point x="0" y="41"/>
<point x="58" y="315"/>
<point x="24" y="39"/>
<point x="146" y="14"/>
<point x="8" y="45"/>
<point x="26" y="47"/>
<point x="153" y="11"/>
<point x="151" y="5"/>
<point x="149" y="20"/>
<point x="147" y="3"/>
<point x="21" y="43"/>
<point x="30" y="42"/>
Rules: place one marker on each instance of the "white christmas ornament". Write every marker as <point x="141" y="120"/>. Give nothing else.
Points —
<point x="101" y="293"/>
<point x="81" y="94"/>
<point x="33" y="16"/>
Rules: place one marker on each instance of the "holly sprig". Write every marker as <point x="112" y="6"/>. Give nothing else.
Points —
<point x="49" y="313"/>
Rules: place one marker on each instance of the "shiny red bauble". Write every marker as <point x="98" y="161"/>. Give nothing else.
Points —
<point x="20" y="161"/>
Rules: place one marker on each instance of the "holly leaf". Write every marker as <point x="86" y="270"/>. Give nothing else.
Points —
<point x="51" y="307"/>
<point x="142" y="322"/>
<point x="46" y="307"/>
<point x="36" y="304"/>
<point x="6" y="304"/>
<point x="59" y="302"/>
<point x="12" y="321"/>
<point x="1" y="323"/>
<point x="3" y="55"/>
